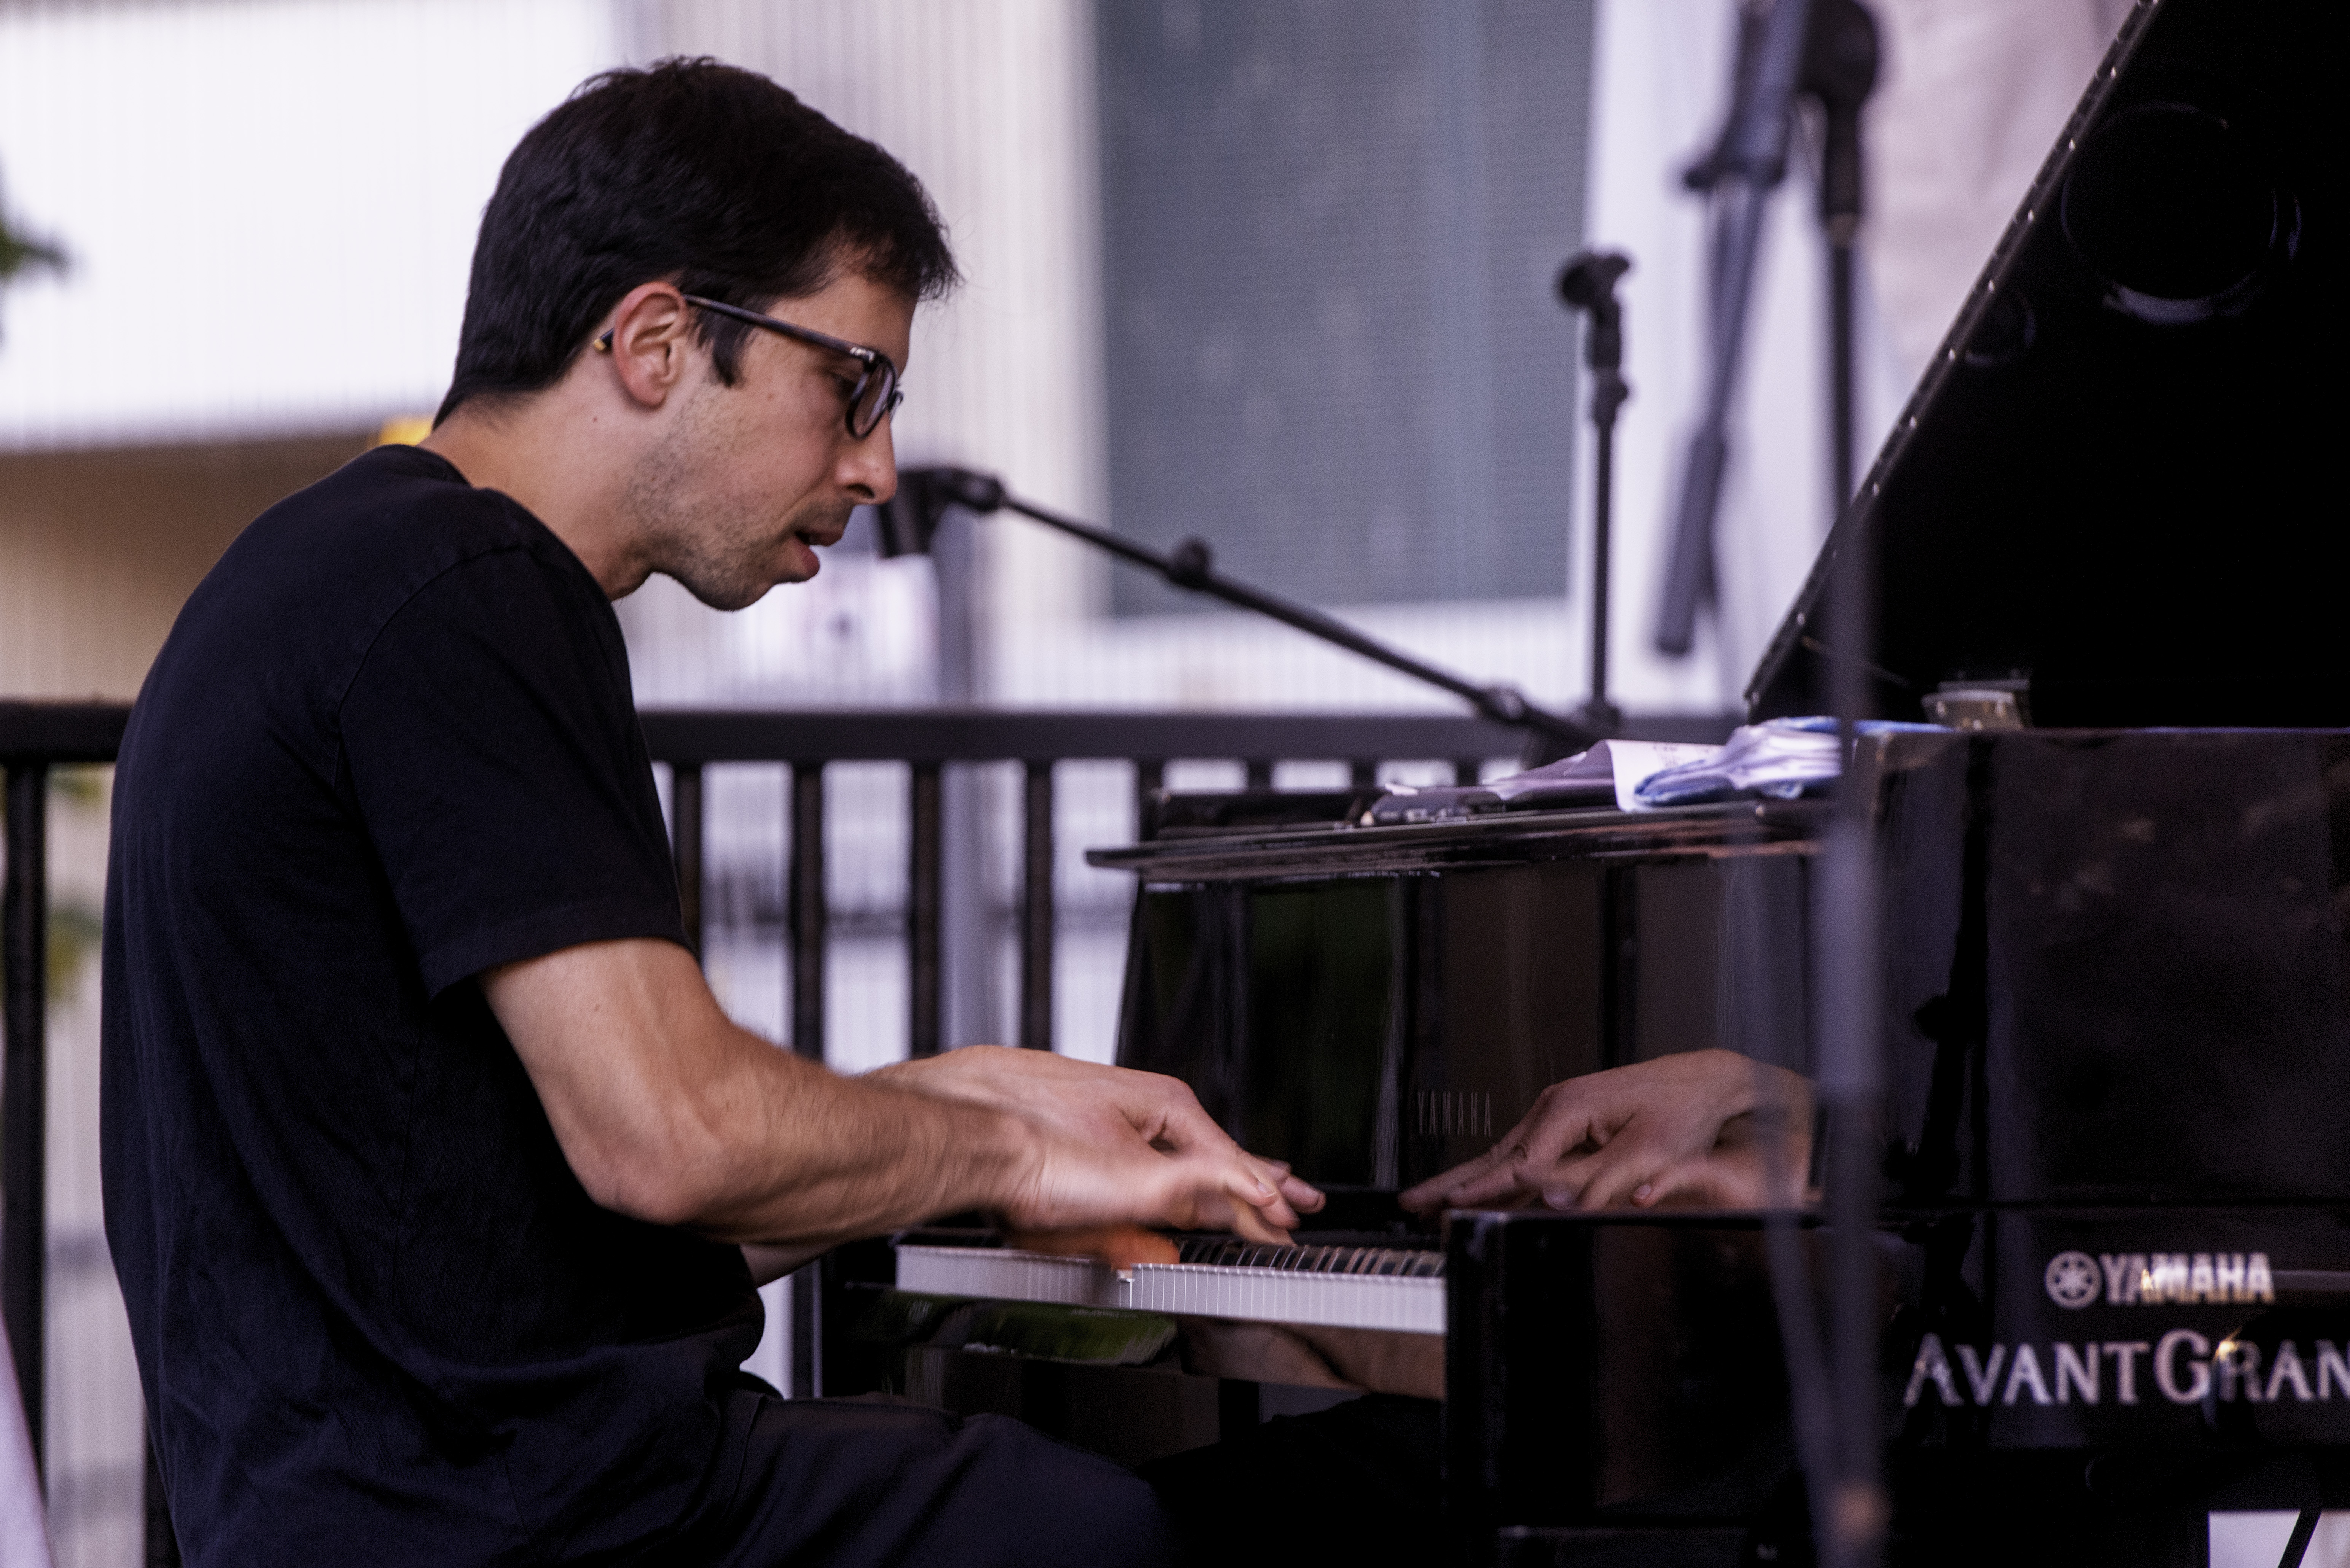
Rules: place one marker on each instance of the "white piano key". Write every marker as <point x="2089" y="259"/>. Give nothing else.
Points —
<point x="1274" y="1295"/>
<point x="1001" y="1273"/>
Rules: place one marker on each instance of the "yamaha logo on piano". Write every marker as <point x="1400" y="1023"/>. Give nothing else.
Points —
<point x="2077" y="1280"/>
<point x="2179" y="1366"/>
<point x="1456" y="1113"/>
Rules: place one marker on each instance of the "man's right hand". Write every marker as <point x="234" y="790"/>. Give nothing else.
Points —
<point x="1108" y="1137"/>
<point x="1070" y="1183"/>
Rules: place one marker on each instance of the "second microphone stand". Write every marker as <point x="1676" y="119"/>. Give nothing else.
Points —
<point x="1587" y="284"/>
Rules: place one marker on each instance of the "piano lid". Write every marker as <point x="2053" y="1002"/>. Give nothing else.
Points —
<point x="2119" y="480"/>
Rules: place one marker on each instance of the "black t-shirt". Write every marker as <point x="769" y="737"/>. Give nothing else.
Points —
<point x="390" y="745"/>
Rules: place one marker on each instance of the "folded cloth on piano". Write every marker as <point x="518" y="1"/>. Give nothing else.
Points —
<point x="1607" y="773"/>
<point x="1781" y="758"/>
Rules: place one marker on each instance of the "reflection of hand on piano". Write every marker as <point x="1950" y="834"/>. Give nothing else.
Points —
<point x="1116" y="1146"/>
<point x="1696" y="1128"/>
<point x="1377" y="1361"/>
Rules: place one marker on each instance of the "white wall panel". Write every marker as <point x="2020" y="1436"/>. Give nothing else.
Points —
<point x="1970" y="98"/>
<point x="270" y="205"/>
<point x="990" y="103"/>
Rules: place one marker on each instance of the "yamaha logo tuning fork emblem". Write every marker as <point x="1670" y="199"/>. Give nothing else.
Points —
<point x="2073" y="1280"/>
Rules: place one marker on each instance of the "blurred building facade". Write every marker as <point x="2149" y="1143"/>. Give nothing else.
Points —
<point x="1361" y="392"/>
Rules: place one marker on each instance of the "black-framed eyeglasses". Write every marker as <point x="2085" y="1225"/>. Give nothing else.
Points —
<point x="877" y="392"/>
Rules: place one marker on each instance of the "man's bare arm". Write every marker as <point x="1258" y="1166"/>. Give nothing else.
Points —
<point x="667" y="1111"/>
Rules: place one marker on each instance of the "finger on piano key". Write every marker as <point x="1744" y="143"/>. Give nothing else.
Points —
<point x="1119" y="1246"/>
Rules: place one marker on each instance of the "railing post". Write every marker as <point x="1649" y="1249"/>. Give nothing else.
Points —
<point x="685" y="844"/>
<point x="808" y="913"/>
<point x="1260" y="772"/>
<point x="808" y="917"/>
<point x="23" y="1091"/>
<point x="1036" y="913"/>
<point x="1362" y="774"/>
<point x="925" y="872"/>
<point x="1149" y="778"/>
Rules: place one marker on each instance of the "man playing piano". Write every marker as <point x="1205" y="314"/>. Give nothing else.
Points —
<point x="437" y="1181"/>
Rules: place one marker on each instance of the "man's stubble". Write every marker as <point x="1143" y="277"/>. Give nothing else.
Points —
<point x="717" y="541"/>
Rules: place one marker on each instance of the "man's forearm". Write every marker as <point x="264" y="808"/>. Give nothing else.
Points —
<point x="814" y="1159"/>
<point x="669" y="1112"/>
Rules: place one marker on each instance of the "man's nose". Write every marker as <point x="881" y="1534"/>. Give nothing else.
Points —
<point x="869" y="468"/>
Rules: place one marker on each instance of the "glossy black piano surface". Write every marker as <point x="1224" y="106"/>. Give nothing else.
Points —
<point x="2116" y="1174"/>
<point x="2119" y="478"/>
<point x="1618" y="1393"/>
<point x="2114" y="1024"/>
<point x="2113" y="968"/>
<point x="2117" y="1038"/>
<point x="1375" y="1005"/>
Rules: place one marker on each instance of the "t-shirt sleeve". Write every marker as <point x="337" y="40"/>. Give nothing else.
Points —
<point x="495" y="757"/>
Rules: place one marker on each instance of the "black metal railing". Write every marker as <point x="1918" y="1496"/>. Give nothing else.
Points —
<point x="36" y="738"/>
<point x="929" y="740"/>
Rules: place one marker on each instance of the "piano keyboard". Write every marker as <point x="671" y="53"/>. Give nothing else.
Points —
<point x="1330" y="1287"/>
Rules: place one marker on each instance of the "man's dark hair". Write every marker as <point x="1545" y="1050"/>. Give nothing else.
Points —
<point x="708" y="175"/>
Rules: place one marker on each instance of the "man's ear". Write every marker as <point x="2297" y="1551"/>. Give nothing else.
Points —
<point x="650" y="342"/>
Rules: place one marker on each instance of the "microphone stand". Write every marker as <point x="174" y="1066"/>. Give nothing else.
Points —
<point x="1740" y="174"/>
<point x="1587" y="283"/>
<point x="1826" y="49"/>
<point x="1821" y="49"/>
<point x="908" y="519"/>
<point x="1839" y="69"/>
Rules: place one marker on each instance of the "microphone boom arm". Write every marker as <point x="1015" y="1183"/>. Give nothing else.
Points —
<point x="926" y="492"/>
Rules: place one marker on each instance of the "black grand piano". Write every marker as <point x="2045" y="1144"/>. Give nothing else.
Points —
<point x="2115" y="1236"/>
